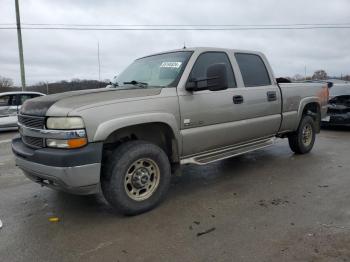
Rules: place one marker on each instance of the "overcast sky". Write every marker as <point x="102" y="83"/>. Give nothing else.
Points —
<point x="52" y="55"/>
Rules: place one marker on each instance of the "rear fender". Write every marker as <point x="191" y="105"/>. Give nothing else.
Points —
<point x="303" y="103"/>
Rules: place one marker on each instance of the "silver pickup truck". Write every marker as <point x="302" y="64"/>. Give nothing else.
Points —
<point x="187" y="106"/>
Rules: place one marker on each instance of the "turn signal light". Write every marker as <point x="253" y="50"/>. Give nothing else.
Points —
<point x="77" y="142"/>
<point x="69" y="144"/>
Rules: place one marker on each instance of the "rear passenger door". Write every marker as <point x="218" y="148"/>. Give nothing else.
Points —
<point x="259" y="113"/>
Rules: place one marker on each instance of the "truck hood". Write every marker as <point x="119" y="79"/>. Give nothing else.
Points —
<point x="75" y="99"/>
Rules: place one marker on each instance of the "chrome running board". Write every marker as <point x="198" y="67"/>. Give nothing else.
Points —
<point x="227" y="152"/>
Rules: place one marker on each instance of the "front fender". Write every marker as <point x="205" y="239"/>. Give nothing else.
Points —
<point x="108" y="127"/>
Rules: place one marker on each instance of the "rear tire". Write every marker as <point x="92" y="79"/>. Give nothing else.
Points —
<point x="302" y="141"/>
<point x="136" y="177"/>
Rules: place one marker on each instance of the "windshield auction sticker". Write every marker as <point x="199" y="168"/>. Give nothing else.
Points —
<point x="171" y="64"/>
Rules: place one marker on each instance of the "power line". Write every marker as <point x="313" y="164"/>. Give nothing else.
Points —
<point x="179" y="25"/>
<point x="177" y="28"/>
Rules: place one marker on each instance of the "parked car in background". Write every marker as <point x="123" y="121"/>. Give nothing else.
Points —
<point x="338" y="113"/>
<point x="10" y="104"/>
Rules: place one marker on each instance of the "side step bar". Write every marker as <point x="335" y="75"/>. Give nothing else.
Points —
<point x="227" y="152"/>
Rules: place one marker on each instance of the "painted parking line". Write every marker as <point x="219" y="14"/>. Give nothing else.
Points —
<point x="5" y="141"/>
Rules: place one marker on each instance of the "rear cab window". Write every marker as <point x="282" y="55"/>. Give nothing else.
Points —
<point x="204" y="60"/>
<point x="253" y="70"/>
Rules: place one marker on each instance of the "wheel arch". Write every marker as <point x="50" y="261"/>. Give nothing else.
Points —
<point x="159" y="133"/>
<point x="310" y="106"/>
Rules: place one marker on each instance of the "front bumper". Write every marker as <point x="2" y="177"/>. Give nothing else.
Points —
<point x="75" y="171"/>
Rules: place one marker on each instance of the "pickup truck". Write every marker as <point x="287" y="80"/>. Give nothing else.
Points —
<point x="186" y="106"/>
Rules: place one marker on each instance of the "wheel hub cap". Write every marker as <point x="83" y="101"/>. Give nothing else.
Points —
<point x="307" y="135"/>
<point x="142" y="179"/>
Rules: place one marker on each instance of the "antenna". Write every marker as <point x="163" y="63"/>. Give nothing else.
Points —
<point x="184" y="45"/>
<point x="99" y="61"/>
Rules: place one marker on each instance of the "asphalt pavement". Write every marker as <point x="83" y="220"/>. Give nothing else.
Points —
<point x="268" y="205"/>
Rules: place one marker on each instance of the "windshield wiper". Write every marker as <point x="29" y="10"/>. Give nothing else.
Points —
<point x="136" y="83"/>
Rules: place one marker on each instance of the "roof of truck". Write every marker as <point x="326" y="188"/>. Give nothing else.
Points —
<point x="206" y="49"/>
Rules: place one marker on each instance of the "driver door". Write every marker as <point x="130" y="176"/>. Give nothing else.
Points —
<point x="206" y="115"/>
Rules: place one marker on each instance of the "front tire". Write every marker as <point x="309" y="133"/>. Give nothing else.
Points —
<point x="136" y="177"/>
<point x="302" y="141"/>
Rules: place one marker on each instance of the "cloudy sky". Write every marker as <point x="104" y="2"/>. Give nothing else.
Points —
<point x="52" y="55"/>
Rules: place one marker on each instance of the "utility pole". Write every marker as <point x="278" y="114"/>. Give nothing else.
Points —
<point x="20" y="46"/>
<point x="305" y="72"/>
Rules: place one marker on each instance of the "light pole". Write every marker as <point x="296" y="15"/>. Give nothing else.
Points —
<point x="20" y="46"/>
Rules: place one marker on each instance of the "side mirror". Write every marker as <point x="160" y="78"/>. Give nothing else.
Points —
<point x="215" y="80"/>
<point x="330" y="84"/>
<point x="281" y="80"/>
<point x="114" y="81"/>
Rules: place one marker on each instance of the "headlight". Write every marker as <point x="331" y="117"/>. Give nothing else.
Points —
<point x="65" y="123"/>
<point x="75" y="139"/>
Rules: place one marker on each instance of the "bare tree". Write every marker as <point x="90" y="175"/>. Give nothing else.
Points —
<point x="320" y="75"/>
<point x="5" y="82"/>
<point x="298" y="77"/>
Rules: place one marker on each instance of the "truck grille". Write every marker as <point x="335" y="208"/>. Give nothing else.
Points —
<point x="32" y="121"/>
<point x="34" y="142"/>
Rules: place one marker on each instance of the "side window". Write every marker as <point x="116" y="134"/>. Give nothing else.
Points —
<point x="253" y="70"/>
<point x="4" y="100"/>
<point x="23" y="98"/>
<point x="7" y="100"/>
<point x="205" y="60"/>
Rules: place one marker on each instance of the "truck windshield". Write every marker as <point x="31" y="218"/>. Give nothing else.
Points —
<point x="163" y="70"/>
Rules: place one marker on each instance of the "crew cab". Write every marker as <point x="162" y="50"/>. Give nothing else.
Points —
<point x="186" y="106"/>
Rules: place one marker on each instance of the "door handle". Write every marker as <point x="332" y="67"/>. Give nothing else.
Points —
<point x="237" y="99"/>
<point x="271" y="96"/>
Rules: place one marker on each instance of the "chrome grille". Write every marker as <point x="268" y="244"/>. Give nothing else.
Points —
<point x="34" y="142"/>
<point x="32" y="121"/>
